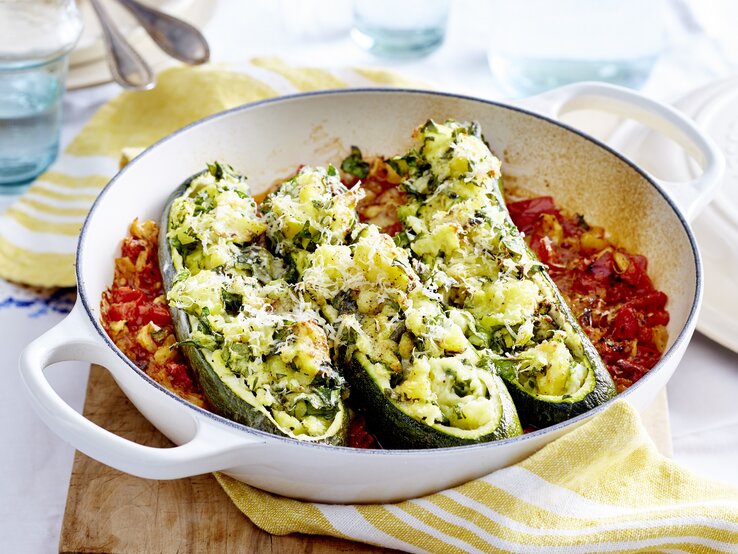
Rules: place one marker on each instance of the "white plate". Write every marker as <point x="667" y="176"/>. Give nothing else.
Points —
<point x="90" y="45"/>
<point x="87" y="64"/>
<point x="715" y="109"/>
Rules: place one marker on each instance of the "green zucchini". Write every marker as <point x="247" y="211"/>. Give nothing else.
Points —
<point x="597" y="386"/>
<point x="259" y="351"/>
<point x="457" y="227"/>
<point x="423" y="385"/>
<point x="451" y="334"/>
<point x="489" y="410"/>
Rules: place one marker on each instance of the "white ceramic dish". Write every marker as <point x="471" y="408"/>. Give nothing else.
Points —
<point x="714" y="108"/>
<point x="268" y="140"/>
<point x="87" y="64"/>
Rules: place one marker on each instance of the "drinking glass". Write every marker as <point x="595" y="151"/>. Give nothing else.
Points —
<point x="536" y="45"/>
<point x="36" y="37"/>
<point x="404" y="29"/>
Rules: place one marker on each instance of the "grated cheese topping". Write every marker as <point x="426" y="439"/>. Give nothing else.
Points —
<point x="284" y="298"/>
<point x="457" y="224"/>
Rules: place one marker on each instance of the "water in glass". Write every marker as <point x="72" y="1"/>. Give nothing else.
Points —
<point x="35" y="39"/>
<point x="536" y="45"/>
<point x="405" y="29"/>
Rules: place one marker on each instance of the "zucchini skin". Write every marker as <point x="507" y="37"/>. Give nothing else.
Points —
<point x="166" y="265"/>
<point x="438" y="169"/>
<point x="395" y="429"/>
<point x="225" y="401"/>
<point x="221" y="398"/>
<point x="543" y="412"/>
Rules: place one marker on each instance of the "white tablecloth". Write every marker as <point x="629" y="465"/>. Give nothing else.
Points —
<point x="35" y="465"/>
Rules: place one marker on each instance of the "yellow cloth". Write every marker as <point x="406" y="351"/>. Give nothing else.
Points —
<point x="38" y="233"/>
<point x="601" y="488"/>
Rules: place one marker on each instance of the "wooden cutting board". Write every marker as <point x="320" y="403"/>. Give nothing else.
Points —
<point x="111" y="512"/>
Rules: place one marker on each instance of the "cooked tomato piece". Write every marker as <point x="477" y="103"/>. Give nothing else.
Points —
<point x="158" y="314"/>
<point x="625" y="324"/>
<point x="126" y="294"/>
<point x="358" y="435"/>
<point x="526" y="212"/>
<point x="132" y="248"/>
<point x="133" y="314"/>
<point x="123" y="311"/>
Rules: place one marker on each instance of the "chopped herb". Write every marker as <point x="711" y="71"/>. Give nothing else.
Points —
<point x="397" y="378"/>
<point x="355" y="165"/>
<point x="217" y="170"/>
<point x="232" y="302"/>
<point x="462" y="388"/>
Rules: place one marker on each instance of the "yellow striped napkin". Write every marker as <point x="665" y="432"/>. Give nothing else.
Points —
<point x="601" y="488"/>
<point x="38" y="233"/>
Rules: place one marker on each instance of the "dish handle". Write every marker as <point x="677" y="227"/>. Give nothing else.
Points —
<point x="691" y="196"/>
<point x="208" y="449"/>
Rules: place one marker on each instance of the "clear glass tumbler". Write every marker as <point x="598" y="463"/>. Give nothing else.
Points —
<point x="404" y="29"/>
<point x="536" y="45"/>
<point x="36" y="37"/>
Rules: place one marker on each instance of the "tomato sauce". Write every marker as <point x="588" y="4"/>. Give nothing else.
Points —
<point x="608" y="288"/>
<point x="135" y="315"/>
<point x="382" y="197"/>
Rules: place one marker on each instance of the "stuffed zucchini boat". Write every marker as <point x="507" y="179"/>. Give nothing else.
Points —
<point x="258" y="348"/>
<point x="457" y="226"/>
<point x="450" y="334"/>
<point x="405" y="356"/>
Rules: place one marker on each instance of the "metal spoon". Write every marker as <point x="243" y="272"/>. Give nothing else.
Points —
<point x="129" y="70"/>
<point x="177" y="38"/>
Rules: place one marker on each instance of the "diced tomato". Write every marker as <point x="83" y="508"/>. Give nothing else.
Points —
<point x="126" y="294"/>
<point x="647" y="355"/>
<point x="359" y="436"/>
<point x="651" y="302"/>
<point x="393" y="229"/>
<point x="132" y="248"/>
<point x="149" y="280"/>
<point x="123" y="311"/>
<point x="178" y="375"/>
<point x="525" y="213"/>
<point x="645" y="334"/>
<point x="636" y="274"/>
<point x="543" y="249"/>
<point x="625" y="324"/>
<point x="158" y="314"/>
<point x="660" y="317"/>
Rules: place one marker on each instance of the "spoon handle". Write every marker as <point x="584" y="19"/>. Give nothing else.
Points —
<point x="177" y="38"/>
<point x="129" y="70"/>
